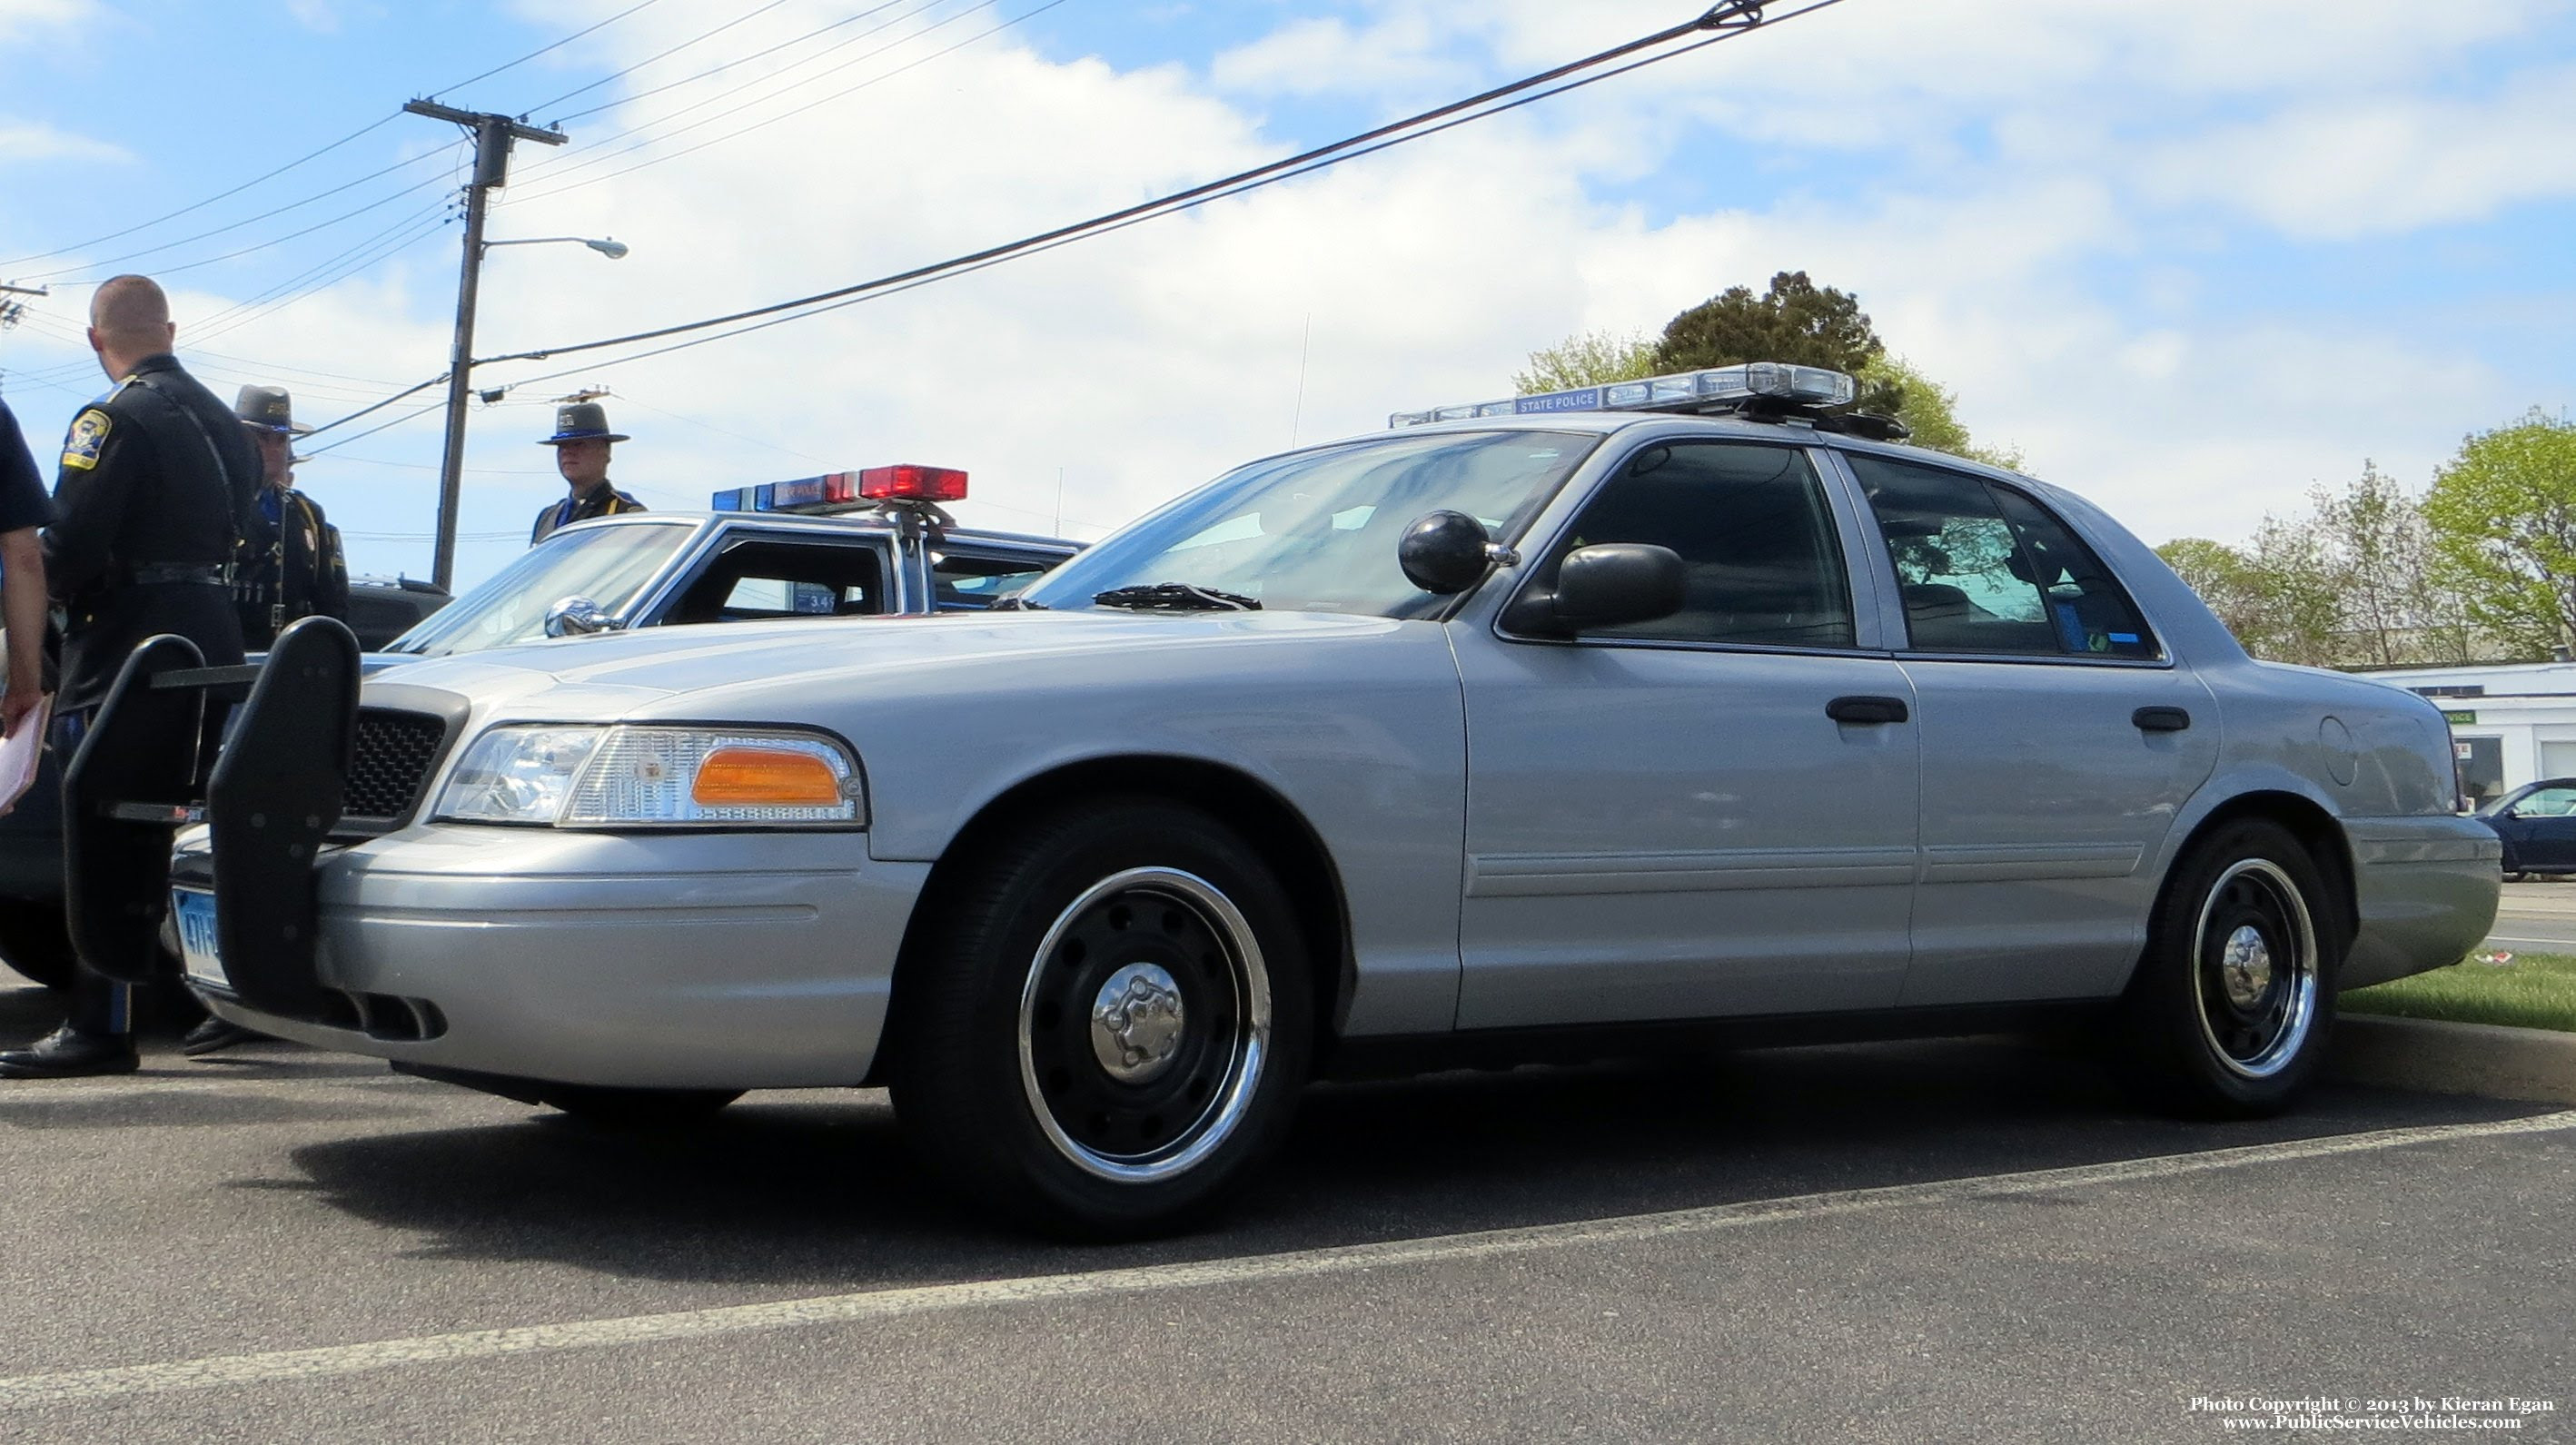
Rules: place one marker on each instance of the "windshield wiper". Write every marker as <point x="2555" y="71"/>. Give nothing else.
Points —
<point x="1176" y="597"/>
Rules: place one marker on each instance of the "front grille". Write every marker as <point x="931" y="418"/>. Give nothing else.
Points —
<point x="391" y="761"/>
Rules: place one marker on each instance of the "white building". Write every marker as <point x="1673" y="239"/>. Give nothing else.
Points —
<point x="2511" y="723"/>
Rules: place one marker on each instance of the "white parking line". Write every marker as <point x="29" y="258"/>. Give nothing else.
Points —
<point x="290" y="1365"/>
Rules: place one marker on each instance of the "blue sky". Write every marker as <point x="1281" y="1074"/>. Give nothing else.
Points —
<point x="2188" y="268"/>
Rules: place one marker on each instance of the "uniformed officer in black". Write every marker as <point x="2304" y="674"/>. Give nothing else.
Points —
<point x="154" y="477"/>
<point x="290" y="565"/>
<point x="581" y="443"/>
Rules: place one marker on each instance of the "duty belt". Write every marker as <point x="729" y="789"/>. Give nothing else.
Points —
<point x="178" y="574"/>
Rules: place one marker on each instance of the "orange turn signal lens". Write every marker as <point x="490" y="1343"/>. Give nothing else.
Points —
<point x="746" y="777"/>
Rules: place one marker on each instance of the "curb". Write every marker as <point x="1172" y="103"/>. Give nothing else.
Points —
<point x="2531" y="1065"/>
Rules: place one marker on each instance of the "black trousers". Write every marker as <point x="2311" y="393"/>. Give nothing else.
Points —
<point x="100" y="1005"/>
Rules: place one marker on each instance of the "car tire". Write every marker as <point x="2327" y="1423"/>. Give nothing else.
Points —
<point x="2233" y="1001"/>
<point x="35" y="941"/>
<point x="637" y="1108"/>
<point x="1104" y="1029"/>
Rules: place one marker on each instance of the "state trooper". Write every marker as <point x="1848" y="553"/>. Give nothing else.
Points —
<point x="581" y="443"/>
<point x="154" y="479"/>
<point x="291" y="565"/>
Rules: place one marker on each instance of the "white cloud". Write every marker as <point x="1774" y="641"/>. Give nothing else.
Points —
<point x="20" y="19"/>
<point x="2021" y="150"/>
<point x="27" y="141"/>
<point x="320" y="16"/>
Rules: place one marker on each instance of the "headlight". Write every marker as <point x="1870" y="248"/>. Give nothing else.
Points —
<point x="613" y="777"/>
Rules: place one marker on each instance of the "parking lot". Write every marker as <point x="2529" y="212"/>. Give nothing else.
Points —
<point x="1899" y="1242"/>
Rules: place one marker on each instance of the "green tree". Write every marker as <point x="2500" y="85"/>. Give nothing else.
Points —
<point x="1928" y="410"/>
<point x="2225" y="579"/>
<point x="1588" y="359"/>
<point x="2397" y="607"/>
<point x="1794" y="321"/>
<point x="2503" y="519"/>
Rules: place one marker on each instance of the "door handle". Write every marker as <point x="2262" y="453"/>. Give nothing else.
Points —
<point x="2160" y="719"/>
<point x="1867" y="710"/>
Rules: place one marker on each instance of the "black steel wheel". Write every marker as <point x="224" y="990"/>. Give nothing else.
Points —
<point x="35" y="942"/>
<point x="1104" y="1029"/>
<point x="2234" y="998"/>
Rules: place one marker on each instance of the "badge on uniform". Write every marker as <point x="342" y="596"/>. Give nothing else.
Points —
<point x="89" y="433"/>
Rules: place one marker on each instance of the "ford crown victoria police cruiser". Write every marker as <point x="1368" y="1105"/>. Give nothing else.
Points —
<point x="1540" y="720"/>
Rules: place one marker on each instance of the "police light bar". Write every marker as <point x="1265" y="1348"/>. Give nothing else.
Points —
<point x="1717" y="388"/>
<point x="913" y="483"/>
<point x="846" y="491"/>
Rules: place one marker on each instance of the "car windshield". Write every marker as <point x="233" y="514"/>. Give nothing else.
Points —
<point x="606" y="564"/>
<point x="1316" y="530"/>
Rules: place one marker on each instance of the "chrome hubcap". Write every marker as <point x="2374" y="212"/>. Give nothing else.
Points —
<point x="2245" y="969"/>
<point x="1144" y="1025"/>
<point x="1137" y="1022"/>
<point x="2257" y="970"/>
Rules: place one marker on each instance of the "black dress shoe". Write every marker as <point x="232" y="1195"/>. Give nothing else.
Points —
<point x="215" y="1035"/>
<point x="70" y="1053"/>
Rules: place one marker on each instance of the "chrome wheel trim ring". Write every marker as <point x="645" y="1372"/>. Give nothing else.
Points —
<point x="2292" y="970"/>
<point x="1248" y="1051"/>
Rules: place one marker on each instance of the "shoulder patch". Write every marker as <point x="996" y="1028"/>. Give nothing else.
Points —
<point x="88" y="434"/>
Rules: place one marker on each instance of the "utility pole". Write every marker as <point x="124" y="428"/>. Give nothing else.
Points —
<point x="493" y="135"/>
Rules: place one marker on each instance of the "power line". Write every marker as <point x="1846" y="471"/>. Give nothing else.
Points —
<point x="594" y="160"/>
<point x="648" y="60"/>
<point x="730" y="64"/>
<point x="262" y="216"/>
<point x="541" y="50"/>
<point x="1729" y="19"/>
<point x="201" y="205"/>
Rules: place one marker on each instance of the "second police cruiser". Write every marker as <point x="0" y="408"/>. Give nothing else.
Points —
<point x="290" y="566"/>
<point x="581" y="443"/>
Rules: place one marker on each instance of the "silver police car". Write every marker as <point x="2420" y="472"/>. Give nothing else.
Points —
<point x="1694" y="706"/>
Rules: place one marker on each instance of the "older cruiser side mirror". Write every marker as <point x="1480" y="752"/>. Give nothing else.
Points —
<point x="578" y="616"/>
<point x="1446" y="552"/>
<point x="1608" y="584"/>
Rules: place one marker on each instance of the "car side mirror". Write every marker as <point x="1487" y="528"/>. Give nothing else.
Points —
<point x="1608" y="584"/>
<point x="1446" y="552"/>
<point x="578" y="616"/>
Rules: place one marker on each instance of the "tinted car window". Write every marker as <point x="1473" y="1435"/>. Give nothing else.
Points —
<point x="1763" y="564"/>
<point x="971" y="584"/>
<point x="1983" y="568"/>
<point x="762" y="580"/>
<point x="2547" y="803"/>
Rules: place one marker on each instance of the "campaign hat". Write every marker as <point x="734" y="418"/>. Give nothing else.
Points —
<point x="581" y="421"/>
<point x="269" y="409"/>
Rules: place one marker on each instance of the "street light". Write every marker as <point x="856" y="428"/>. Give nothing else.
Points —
<point x="451" y="468"/>
<point x="613" y="250"/>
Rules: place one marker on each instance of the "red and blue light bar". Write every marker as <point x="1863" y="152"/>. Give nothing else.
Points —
<point x="847" y="491"/>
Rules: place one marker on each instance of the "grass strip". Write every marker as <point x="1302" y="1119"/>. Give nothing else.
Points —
<point x="2534" y="991"/>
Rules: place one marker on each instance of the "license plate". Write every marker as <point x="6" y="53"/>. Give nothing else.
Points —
<point x="195" y="912"/>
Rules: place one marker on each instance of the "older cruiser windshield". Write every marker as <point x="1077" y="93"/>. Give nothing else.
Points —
<point x="1316" y="530"/>
<point x="606" y="564"/>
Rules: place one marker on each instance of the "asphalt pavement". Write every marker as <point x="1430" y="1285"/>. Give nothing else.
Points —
<point x="2537" y="917"/>
<point x="1965" y="1239"/>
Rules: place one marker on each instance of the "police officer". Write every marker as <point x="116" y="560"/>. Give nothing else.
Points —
<point x="23" y="509"/>
<point x="290" y="566"/>
<point x="581" y="442"/>
<point x="155" y="476"/>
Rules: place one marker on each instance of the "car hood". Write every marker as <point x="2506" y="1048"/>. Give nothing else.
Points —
<point x="613" y="672"/>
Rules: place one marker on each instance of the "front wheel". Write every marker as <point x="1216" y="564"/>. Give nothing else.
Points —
<point x="1104" y="1030"/>
<point x="2234" y="998"/>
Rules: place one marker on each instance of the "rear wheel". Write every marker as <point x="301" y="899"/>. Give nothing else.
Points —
<point x="1105" y="1032"/>
<point x="2234" y="999"/>
<point x="35" y="941"/>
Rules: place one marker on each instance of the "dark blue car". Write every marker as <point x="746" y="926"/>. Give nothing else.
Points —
<point x="2538" y="824"/>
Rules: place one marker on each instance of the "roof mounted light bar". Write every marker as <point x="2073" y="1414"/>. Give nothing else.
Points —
<point x="1723" y="388"/>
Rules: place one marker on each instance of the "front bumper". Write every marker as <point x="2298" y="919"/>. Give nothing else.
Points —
<point x="2426" y="890"/>
<point x="676" y="960"/>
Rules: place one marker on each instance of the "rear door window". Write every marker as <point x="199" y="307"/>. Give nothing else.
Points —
<point x="1985" y="569"/>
